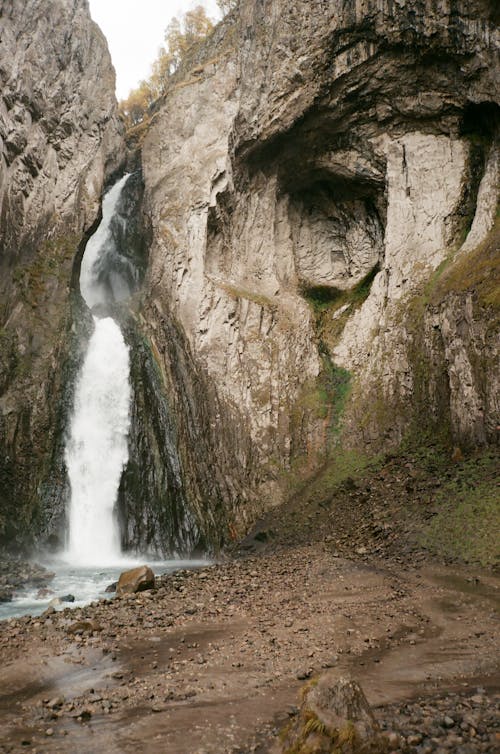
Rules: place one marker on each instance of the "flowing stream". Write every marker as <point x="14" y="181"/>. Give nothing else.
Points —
<point x="97" y="446"/>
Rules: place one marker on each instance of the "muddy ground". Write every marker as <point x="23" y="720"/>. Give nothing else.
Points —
<point x="212" y="661"/>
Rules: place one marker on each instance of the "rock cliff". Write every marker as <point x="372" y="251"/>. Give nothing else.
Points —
<point x="320" y="199"/>
<point x="315" y="180"/>
<point x="59" y="140"/>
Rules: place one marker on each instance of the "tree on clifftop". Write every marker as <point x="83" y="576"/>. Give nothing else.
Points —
<point x="182" y="35"/>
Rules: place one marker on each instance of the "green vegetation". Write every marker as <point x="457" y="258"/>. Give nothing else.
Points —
<point x="477" y="270"/>
<point x="35" y="285"/>
<point x="238" y="292"/>
<point x="333" y="390"/>
<point x="466" y="518"/>
<point x="52" y="261"/>
<point x="342" y="467"/>
<point x="183" y="36"/>
<point x="309" y="735"/>
<point x="333" y="307"/>
<point x="322" y="297"/>
<point x="326" y="398"/>
<point x="322" y="401"/>
<point x="443" y="500"/>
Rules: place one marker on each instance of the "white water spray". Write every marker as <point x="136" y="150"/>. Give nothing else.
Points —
<point x="91" y="289"/>
<point x="97" y="449"/>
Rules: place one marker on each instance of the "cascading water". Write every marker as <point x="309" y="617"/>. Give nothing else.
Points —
<point x="97" y="448"/>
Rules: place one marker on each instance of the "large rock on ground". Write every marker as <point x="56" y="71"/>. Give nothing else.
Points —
<point x="334" y="716"/>
<point x="135" y="580"/>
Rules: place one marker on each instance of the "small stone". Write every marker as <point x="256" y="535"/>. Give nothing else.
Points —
<point x="159" y="708"/>
<point x="49" y="732"/>
<point x="415" y="739"/>
<point x="448" y="722"/>
<point x="394" y="739"/>
<point x="83" y="626"/>
<point x="477" y="699"/>
<point x="302" y="675"/>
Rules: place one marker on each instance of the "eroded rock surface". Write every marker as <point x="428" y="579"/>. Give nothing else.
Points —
<point x="307" y="181"/>
<point x="320" y="195"/>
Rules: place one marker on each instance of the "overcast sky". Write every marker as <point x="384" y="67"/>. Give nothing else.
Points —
<point x="135" y="30"/>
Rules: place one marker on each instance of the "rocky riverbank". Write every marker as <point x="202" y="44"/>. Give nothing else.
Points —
<point x="212" y="661"/>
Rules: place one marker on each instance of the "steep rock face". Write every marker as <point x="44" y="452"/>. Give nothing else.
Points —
<point x="220" y="280"/>
<point x="59" y="140"/>
<point x="315" y="150"/>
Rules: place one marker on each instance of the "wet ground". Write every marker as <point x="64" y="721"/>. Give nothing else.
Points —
<point x="213" y="661"/>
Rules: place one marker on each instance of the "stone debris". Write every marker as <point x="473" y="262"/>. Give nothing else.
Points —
<point x="236" y="636"/>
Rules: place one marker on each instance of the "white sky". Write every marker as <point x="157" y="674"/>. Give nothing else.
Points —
<point x="135" y="30"/>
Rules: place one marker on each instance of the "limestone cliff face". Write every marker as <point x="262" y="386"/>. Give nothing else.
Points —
<point x="59" y="139"/>
<point x="307" y="183"/>
<point x="320" y="194"/>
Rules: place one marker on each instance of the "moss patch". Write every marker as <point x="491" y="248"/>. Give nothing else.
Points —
<point x="309" y="735"/>
<point x="238" y="292"/>
<point x="51" y="266"/>
<point x="332" y="307"/>
<point x="466" y="522"/>
<point x="477" y="270"/>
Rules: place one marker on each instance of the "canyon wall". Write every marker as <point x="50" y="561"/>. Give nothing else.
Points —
<point x="320" y="206"/>
<point x="60" y="138"/>
<point x="313" y="180"/>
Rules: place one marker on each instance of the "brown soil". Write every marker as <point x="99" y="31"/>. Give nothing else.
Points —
<point x="212" y="661"/>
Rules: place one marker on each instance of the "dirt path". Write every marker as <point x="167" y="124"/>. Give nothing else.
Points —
<point x="212" y="661"/>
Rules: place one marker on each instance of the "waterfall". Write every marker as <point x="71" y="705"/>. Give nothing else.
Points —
<point x="97" y="446"/>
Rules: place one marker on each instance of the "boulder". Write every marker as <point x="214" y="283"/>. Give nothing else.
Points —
<point x="334" y="716"/>
<point x="135" y="580"/>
